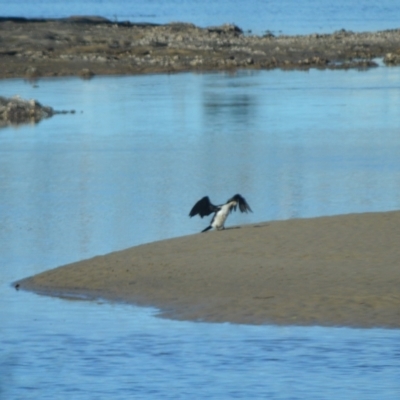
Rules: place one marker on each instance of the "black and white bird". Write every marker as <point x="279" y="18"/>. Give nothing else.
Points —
<point x="205" y="207"/>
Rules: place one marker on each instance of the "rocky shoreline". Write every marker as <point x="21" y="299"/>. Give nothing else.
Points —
<point x="88" y="46"/>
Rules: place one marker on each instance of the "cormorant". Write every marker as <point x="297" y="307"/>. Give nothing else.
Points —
<point x="205" y="207"/>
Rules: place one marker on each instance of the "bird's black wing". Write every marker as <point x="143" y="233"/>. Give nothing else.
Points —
<point x="203" y="207"/>
<point x="241" y="201"/>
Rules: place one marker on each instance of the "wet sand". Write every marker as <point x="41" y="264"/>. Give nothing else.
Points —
<point x="330" y="271"/>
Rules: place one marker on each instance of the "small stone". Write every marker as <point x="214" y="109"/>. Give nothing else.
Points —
<point x="392" y="59"/>
<point x="32" y="72"/>
<point x="86" y="73"/>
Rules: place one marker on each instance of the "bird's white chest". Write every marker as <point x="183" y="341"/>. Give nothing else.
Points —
<point x="220" y="217"/>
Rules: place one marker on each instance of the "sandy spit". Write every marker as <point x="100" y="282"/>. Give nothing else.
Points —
<point x="330" y="271"/>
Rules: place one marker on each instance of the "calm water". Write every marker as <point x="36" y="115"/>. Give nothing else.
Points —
<point x="259" y="16"/>
<point x="296" y="144"/>
<point x="57" y="349"/>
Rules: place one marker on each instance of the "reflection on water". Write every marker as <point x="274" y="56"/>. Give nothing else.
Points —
<point x="225" y="108"/>
<point x="126" y="169"/>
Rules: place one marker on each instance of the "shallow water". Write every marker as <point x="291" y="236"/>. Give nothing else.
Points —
<point x="62" y="349"/>
<point x="127" y="167"/>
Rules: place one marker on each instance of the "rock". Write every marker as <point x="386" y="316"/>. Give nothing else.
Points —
<point x="226" y="28"/>
<point x="32" y="72"/>
<point x="86" y="73"/>
<point x="392" y="59"/>
<point x="15" y="110"/>
<point x="268" y="35"/>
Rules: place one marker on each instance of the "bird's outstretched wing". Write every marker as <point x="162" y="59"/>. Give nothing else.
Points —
<point x="203" y="207"/>
<point x="242" y="203"/>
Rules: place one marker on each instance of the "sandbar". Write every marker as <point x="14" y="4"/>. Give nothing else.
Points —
<point x="328" y="271"/>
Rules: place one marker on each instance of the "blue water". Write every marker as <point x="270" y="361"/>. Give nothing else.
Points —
<point x="258" y="16"/>
<point x="295" y="144"/>
<point x="85" y="351"/>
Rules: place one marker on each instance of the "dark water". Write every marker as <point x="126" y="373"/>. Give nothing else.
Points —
<point x="127" y="167"/>
<point x="259" y="16"/>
